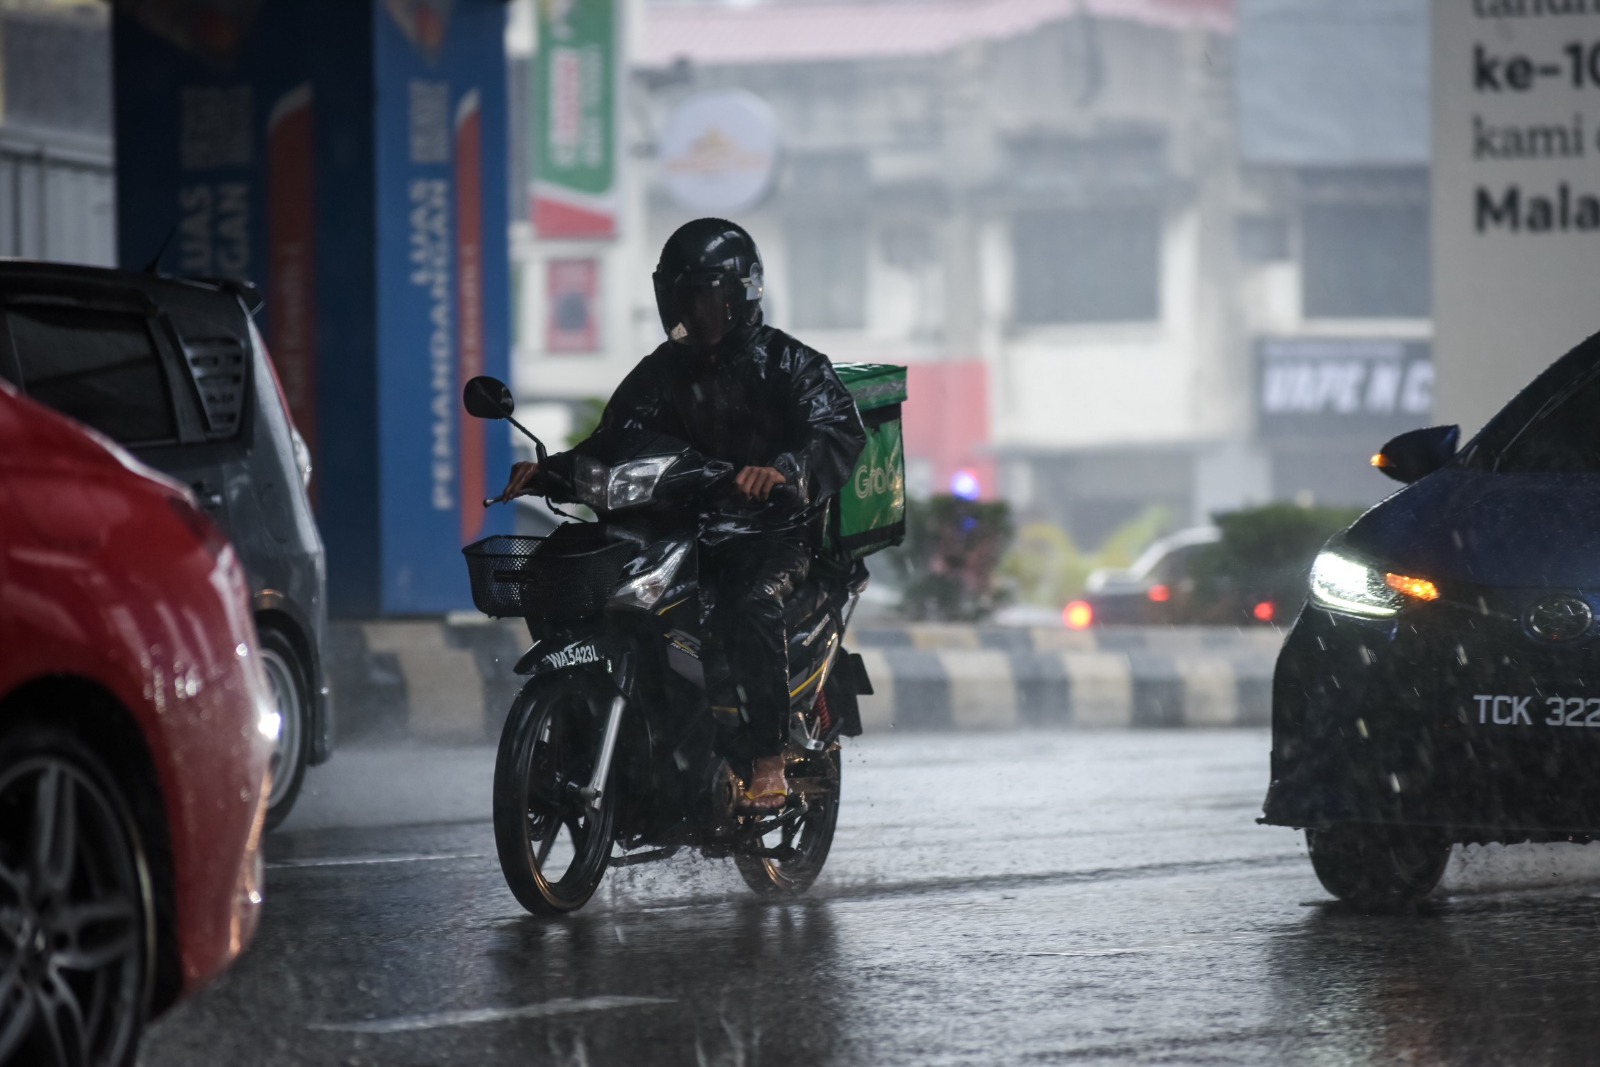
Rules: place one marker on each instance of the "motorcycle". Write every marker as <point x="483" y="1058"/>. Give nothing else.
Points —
<point x="613" y="752"/>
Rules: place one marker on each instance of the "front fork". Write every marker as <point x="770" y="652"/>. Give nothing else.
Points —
<point x="622" y="678"/>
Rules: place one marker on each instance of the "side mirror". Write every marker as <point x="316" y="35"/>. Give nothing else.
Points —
<point x="1417" y="453"/>
<point x="488" y="398"/>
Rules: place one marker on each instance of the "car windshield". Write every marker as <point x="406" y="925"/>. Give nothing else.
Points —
<point x="1552" y="426"/>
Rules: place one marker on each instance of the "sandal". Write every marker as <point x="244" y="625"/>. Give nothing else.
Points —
<point x="757" y="803"/>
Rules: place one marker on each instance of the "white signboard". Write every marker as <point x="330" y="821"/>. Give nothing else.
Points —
<point x="1516" y="194"/>
<point x="719" y="152"/>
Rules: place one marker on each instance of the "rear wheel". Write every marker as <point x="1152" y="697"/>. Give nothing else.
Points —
<point x="286" y="682"/>
<point x="76" y="918"/>
<point x="788" y="858"/>
<point x="1378" y="867"/>
<point x="554" y="847"/>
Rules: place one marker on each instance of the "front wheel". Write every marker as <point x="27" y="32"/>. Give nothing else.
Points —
<point x="291" y="698"/>
<point x="1377" y="867"/>
<point x="788" y="858"/>
<point x="77" y="922"/>
<point x="554" y="847"/>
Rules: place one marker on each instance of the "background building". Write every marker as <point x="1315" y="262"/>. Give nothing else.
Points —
<point x="57" y="185"/>
<point x="1096" y="231"/>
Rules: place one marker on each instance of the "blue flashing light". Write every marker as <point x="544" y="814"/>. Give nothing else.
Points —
<point x="964" y="484"/>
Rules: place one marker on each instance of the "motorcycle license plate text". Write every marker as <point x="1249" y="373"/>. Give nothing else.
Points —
<point x="572" y="656"/>
<point x="1501" y="710"/>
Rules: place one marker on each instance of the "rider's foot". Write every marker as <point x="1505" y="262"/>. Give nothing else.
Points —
<point x="769" y="789"/>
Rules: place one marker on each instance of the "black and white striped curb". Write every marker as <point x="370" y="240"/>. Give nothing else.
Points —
<point x="451" y="681"/>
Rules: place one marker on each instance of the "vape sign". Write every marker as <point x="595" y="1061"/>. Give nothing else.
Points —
<point x="1339" y="387"/>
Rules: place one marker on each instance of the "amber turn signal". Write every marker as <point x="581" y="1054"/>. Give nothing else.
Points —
<point x="1380" y="461"/>
<point x="1416" y="588"/>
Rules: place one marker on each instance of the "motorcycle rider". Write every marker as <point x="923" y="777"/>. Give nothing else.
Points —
<point x="744" y="392"/>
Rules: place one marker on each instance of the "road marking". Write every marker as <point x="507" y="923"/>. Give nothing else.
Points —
<point x="361" y="861"/>
<point x="1138" y="950"/>
<point x="408" y="1023"/>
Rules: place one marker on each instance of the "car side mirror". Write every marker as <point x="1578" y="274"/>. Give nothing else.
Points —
<point x="488" y="398"/>
<point x="1417" y="453"/>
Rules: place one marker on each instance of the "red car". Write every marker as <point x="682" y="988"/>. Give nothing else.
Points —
<point x="135" y="733"/>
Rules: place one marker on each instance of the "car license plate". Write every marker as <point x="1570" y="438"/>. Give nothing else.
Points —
<point x="1499" y="709"/>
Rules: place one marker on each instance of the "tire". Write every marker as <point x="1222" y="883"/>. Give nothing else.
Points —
<point x="554" y="849"/>
<point x="1378" y="868"/>
<point x="286" y="677"/>
<point x="77" y="927"/>
<point x="806" y="840"/>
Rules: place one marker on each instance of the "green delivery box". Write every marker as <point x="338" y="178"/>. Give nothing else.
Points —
<point x="871" y="511"/>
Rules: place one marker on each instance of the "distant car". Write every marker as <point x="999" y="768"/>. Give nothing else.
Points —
<point x="136" y="730"/>
<point x="1441" y="686"/>
<point x="1151" y="592"/>
<point x="175" y="371"/>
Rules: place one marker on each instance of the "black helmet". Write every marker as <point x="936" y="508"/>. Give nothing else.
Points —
<point x="709" y="284"/>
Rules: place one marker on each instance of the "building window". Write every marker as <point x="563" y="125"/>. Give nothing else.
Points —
<point x="1262" y="239"/>
<point x="1365" y="261"/>
<point x="828" y="275"/>
<point x="1100" y="265"/>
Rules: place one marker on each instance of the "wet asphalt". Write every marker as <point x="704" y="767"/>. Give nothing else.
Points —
<point x="1072" y="898"/>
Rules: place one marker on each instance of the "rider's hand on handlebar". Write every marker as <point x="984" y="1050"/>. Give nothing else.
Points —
<point x="522" y="476"/>
<point x="757" y="483"/>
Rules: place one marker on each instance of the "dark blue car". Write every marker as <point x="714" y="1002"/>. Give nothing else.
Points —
<point x="1443" y="683"/>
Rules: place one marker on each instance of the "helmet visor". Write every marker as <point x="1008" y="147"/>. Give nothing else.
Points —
<point x="707" y="308"/>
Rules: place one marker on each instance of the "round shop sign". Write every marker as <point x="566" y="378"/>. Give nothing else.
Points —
<point x="719" y="151"/>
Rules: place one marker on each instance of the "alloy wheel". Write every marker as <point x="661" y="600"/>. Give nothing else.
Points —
<point x="74" y="917"/>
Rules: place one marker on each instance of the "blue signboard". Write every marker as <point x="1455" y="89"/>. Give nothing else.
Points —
<point x="350" y="159"/>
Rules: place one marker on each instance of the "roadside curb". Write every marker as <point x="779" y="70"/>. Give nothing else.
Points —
<point x="452" y="680"/>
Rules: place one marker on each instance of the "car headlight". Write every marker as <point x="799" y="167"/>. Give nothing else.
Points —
<point x="625" y="485"/>
<point x="1349" y="585"/>
<point x="1356" y="588"/>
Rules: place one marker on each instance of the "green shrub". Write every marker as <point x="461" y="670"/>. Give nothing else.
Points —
<point x="1047" y="568"/>
<point x="947" y="568"/>
<point x="1265" y="554"/>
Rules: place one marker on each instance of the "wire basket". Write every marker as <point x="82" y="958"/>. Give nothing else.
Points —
<point x="561" y="578"/>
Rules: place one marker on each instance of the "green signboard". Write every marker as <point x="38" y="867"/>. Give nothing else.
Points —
<point x="575" y="97"/>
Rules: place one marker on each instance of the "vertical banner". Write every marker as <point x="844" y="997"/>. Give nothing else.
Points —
<point x="291" y="256"/>
<point x="574" y="86"/>
<point x="469" y="301"/>
<point x="349" y="157"/>
<point x="1516" y="196"/>
<point x="572" y="306"/>
<point x="442" y="287"/>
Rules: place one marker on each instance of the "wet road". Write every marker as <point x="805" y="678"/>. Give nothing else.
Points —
<point x="1051" y="898"/>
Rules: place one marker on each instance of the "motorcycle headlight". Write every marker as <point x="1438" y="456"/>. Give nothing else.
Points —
<point x="1351" y="586"/>
<point x="646" y="590"/>
<point x="635" y="482"/>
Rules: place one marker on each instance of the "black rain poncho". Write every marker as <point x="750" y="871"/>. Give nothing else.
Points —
<point x="771" y="402"/>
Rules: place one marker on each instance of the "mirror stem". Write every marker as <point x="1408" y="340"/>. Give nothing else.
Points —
<point x="538" y="445"/>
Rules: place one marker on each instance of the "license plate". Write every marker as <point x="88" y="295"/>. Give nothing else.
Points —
<point x="1499" y="709"/>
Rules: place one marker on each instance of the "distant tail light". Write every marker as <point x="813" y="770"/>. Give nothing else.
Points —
<point x="1159" y="594"/>
<point x="1264" y="611"/>
<point x="1078" y="615"/>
